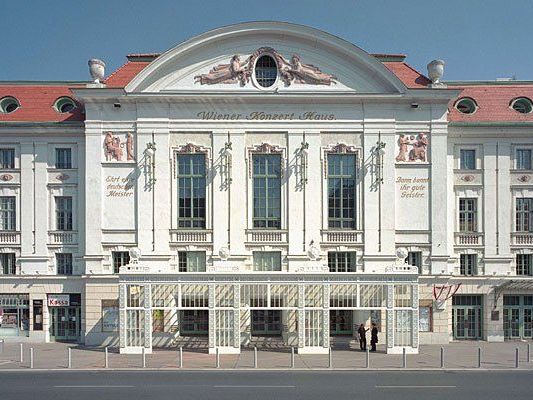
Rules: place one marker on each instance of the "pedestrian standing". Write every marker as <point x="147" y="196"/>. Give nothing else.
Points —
<point x="362" y="336"/>
<point x="373" y="337"/>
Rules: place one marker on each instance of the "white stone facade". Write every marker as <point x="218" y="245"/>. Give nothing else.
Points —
<point x="125" y="198"/>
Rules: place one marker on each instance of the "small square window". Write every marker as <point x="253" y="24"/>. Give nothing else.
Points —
<point x="523" y="159"/>
<point x="414" y="258"/>
<point x="191" y="261"/>
<point x="63" y="158"/>
<point x="120" y="258"/>
<point x="7" y="158"/>
<point x="64" y="263"/>
<point x="467" y="159"/>
<point x="468" y="264"/>
<point x="267" y="260"/>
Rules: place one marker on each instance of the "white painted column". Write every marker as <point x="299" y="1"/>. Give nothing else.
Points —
<point x="441" y="211"/>
<point x="26" y="197"/>
<point x="93" y="195"/>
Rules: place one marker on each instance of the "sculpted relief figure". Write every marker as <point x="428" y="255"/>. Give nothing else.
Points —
<point x="238" y="71"/>
<point x="307" y="73"/>
<point x="418" y="152"/>
<point x="129" y="147"/>
<point x="411" y="148"/>
<point x="235" y="71"/>
<point x="112" y="147"/>
<point x="403" y="142"/>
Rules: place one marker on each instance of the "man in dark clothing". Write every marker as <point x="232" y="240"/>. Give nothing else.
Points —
<point x="362" y="336"/>
<point x="373" y="337"/>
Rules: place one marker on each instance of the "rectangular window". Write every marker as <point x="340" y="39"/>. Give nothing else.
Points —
<point x="341" y="191"/>
<point x="120" y="258"/>
<point x="467" y="215"/>
<point x="414" y="258"/>
<point x="8" y="263"/>
<point x="524" y="215"/>
<point x="341" y="261"/>
<point x="468" y="264"/>
<point x="7" y="158"/>
<point x="64" y="263"/>
<point x="267" y="261"/>
<point x="467" y="159"/>
<point x="8" y="216"/>
<point x="63" y="213"/>
<point x="63" y="158"/>
<point x="523" y="159"/>
<point x="191" y="261"/>
<point x="267" y="191"/>
<point x="191" y="190"/>
<point x="523" y="264"/>
<point x="425" y="319"/>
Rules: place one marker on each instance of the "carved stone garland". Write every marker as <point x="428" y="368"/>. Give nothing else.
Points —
<point x="339" y="148"/>
<point x="265" y="148"/>
<point x="191" y="148"/>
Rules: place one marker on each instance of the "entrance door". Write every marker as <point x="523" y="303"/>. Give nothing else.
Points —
<point x="65" y="323"/>
<point x="517" y="316"/>
<point x="467" y="316"/>
<point x="340" y="322"/>
<point x="266" y="323"/>
<point x="194" y="322"/>
<point x="511" y="322"/>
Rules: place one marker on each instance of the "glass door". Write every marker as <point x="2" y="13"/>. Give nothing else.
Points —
<point x="65" y="323"/>
<point x="467" y="322"/>
<point x="340" y="322"/>
<point x="511" y="322"/>
<point x="266" y="323"/>
<point x="194" y="322"/>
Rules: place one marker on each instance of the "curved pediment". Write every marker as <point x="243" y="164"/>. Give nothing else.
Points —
<point x="266" y="56"/>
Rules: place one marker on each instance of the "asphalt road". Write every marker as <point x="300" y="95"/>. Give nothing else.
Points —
<point x="222" y="385"/>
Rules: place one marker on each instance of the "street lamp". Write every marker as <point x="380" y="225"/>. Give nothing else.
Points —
<point x="304" y="153"/>
<point x="379" y="151"/>
<point x="227" y="161"/>
<point x="150" y="159"/>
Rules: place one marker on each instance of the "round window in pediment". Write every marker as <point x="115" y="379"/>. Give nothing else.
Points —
<point x="266" y="71"/>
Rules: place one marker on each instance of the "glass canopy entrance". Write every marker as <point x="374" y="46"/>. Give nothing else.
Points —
<point x="229" y="309"/>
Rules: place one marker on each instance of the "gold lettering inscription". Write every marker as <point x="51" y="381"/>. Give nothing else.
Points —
<point x="118" y="186"/>
<point x="412" y="188"/>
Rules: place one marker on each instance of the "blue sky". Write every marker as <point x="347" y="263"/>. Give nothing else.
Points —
<point x="52" y="40"/>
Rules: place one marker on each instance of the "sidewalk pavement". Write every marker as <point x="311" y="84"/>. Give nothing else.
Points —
<point x="460" y="355"/>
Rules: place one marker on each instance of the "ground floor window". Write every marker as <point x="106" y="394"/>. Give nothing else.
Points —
<point x="425" y="319"/>
<point x="518" y="316"/>
<point x="467" y="316"/>
<point x="14" y="315"/>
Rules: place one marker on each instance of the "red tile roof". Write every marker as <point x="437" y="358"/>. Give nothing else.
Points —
<point x="122" y="76"/>
<point x="493" y="103"/>
<point x="493" y="100"/>
<point x="408" y="75"/>
<point x="37" y="101"/>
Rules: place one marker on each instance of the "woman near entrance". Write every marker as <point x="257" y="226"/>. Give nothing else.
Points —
<point x="362" y="336"/>
<point x="373" y="337"/>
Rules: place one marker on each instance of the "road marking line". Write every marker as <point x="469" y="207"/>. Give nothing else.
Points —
<point x="416" y="386"/>
<point x="254" y="386"/>
<point x="94" y="386"/>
